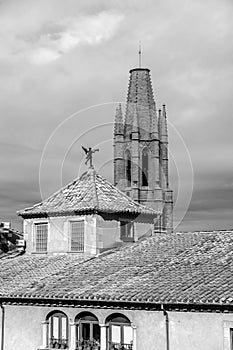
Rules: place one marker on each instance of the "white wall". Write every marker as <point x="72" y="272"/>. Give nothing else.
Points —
<point x="59" y="233"/>
<point x="188" y="330"/>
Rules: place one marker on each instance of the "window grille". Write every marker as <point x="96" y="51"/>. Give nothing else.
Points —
<point x="77" y="236"/>
<point x="41" y="237"/>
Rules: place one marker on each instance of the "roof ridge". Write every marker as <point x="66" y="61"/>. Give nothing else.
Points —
<point x="205" y="231"/>
<point x="89" y="192"/>
<point x="125" y="195"/>
<point x="93" y="178"/>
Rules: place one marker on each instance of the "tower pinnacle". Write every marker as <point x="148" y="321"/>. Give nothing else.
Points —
<point x="118" y="126"/>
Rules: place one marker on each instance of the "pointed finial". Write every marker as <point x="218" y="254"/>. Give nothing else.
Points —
<point x="140" y="54"/>
<point x="163" y="123"/>
<point x="164" y="111"/>
<point x="118" y="125"/>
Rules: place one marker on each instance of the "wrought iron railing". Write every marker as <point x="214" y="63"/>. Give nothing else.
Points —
<point x="56" y="343"/>
<point x="87" y="345"/>
<point x="120" y="346"/>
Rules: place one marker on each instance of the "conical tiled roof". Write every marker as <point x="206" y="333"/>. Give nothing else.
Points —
<point x="89" y="193"/>
<point x="140" y="88"/>
<point x="140" y="94"/>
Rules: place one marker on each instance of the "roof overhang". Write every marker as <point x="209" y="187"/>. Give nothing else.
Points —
<point x="140" y="217"/>
<point x="116" y="304"/>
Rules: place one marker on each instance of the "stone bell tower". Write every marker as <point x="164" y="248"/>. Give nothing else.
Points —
<point x="141" y="150"/>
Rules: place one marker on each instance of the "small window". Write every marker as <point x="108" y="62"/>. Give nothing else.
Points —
<point x="77" y="236"/>
<point x="41" y="237"/>
<point x="120" y="332"/>
<point x="58" y="331"/>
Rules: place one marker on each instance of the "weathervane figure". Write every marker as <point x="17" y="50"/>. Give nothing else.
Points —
<point x="89" y="152"/>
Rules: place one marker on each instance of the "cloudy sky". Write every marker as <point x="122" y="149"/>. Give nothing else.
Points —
<point x="64" y="67"/>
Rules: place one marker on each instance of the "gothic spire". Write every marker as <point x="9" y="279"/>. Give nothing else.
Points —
<point x="140" y="92"/>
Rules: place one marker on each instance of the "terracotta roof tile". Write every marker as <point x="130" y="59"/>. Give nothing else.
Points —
<point x="90" y="192"/>
<point x="185" y="267"/>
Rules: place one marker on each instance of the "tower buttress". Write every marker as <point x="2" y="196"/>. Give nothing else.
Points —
<point x="167" y="218"/>
<point x="163" y="135"/>
<point x="155" y="173"/>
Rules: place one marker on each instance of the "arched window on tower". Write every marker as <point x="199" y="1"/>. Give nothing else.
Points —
<point x="145" y="163"/>
<point x="128" y="167"/>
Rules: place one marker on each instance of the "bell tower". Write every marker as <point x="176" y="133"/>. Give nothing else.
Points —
<point x="141" y="150"/>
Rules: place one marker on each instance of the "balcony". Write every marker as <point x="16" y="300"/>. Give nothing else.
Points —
<point x="120" y="346"/>
<point x="58" y="343"/>
<point x="90" y="344"/>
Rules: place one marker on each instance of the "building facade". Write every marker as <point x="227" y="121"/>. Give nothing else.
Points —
<point x="87" y="216"/>
<point x="95" y="275"/>
<point x="141" y="150"/>
<point x="163" y="292"/>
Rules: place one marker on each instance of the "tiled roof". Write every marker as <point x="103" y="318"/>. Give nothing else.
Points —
<point x="90" y="192"/>
<point x="24" y="272"/>
<point x="177" y="268"/>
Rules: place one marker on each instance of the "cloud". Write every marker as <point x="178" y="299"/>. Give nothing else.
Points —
<point x="51" y="40"/>
<point x="43" y="55"/>
<point x="57" y="57"/>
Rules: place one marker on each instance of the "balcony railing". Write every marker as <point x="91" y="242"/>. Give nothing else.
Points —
<point x="120" y="346"/>
<point x="58" y="343"/>
<point x="87" y="345"/>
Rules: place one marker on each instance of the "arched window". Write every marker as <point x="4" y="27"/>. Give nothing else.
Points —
<point x="58" y="330"/>
<point x="128" y="166"/>
<point x="87" y="331"/>
<point x="120" y="332"/>
<point x="145" y="163"/>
